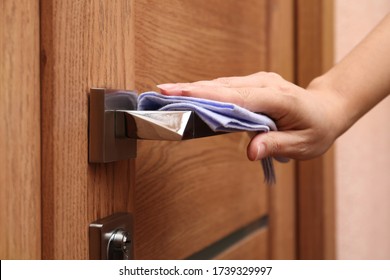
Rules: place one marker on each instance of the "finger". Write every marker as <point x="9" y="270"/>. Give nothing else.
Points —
<point x="177" y="88"/>
<point x="211" y="91"/>
<point x="260" y="79"/>
<point x="261" y="100"/>
<point x="216" y="93"/>
<point x="172" y="89"/>
<point x="287" y="144"/>
<point x="268" y="101"/>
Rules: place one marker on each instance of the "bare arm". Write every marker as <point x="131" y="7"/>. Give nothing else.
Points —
<point x="309" y="120"/>
<point x="362" y="78"/>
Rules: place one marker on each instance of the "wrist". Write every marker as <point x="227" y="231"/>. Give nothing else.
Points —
<point x="335" y="104"/>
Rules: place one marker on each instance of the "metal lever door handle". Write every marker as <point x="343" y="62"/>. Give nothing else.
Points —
<point x="115" y="125"/>
<point x="163" y="125"/>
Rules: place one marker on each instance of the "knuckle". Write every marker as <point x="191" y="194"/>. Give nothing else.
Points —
<point x="273" y="75"/>
<point x="227" y="82"/>
<point x="267" y="78"/>
<point x="244" y="95"/>
<point x="272" y="146"/>
<point x="260" y="74"/>
<point x="285" y="88"/>
<point x="202" y="83"/>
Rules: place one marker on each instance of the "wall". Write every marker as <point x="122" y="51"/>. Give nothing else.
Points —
<point x="363" y="153"/>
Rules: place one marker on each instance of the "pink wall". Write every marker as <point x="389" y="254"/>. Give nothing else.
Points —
<point x="363" y="153"/>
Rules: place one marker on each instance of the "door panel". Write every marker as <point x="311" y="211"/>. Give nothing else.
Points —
<point x="193" y="40"/>
<point x="192" y="190"/>
<point x="186" y="195"/>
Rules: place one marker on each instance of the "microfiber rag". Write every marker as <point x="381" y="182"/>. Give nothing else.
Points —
<point x="219" y="116"/>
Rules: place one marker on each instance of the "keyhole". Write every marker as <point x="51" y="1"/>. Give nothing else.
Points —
<point x="119" y="245"/>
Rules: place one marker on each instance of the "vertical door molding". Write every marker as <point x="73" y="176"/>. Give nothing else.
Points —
<point x="20" y="210"/>
<point x="282" y="197"/>
<point x="84" y="44"/>
<point x="314" y="55"/>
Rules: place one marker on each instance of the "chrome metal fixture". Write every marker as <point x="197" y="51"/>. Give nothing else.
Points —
<point x="115" y="125"/>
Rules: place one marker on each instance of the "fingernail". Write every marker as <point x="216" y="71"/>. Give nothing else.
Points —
<point x="167" y="86"/>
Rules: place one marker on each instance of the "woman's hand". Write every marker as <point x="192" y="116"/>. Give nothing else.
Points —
<point x="308" y="120"/>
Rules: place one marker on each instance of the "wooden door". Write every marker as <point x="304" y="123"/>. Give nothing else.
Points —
<point x="192" y="199"/>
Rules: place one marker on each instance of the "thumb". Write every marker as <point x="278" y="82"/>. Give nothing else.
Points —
<point x="274" y="144"/>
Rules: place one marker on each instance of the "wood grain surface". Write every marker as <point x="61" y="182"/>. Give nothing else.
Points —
<point x="193" y="193"/>
<point x="185" y="40"/>
<point x="84" y="44"/>
<point x="198" y="190"/>
<point x="184" y="195"/>
<point x="282" y="198"/>
<point x="20" y="222"/>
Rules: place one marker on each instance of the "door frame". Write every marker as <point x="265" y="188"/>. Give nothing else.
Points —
<point x="315" y="178"/>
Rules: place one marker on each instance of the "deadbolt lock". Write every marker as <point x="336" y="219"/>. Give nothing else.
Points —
<point x="110" y="238"/>
<point x="119" y="245"/>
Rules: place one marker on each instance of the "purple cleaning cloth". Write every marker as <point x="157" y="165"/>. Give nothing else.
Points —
<point x="219" y="116"/>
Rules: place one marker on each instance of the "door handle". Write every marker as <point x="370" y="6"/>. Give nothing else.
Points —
<point x="115" y="125"/>
<point x="162" y="125"/>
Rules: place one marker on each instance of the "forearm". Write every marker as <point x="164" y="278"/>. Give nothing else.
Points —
<point x="361" y="79"/>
